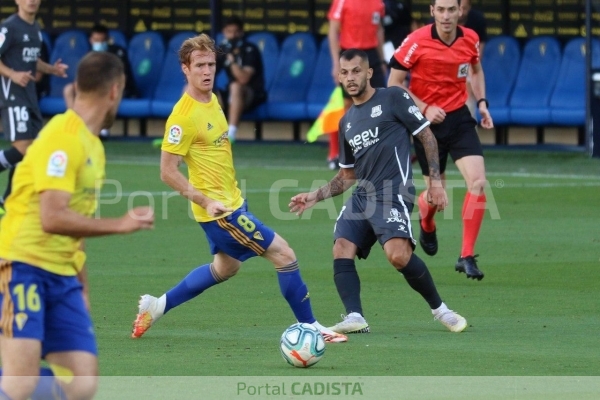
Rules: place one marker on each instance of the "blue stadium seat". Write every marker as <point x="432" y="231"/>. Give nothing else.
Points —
<point x="47" y="41"/>
<point x="287" y="95"/>
<point x="322" y="83"/>
<point x="171" y="80"/>
<point x="117" y="37"/>
<point x="70" y="47"/>
<point x="269" y="49"/>
<point x="500" y="60"/>
<point x="530" y="101"/>
<point x="567" y="105"/>
<point x="146" y="52"/>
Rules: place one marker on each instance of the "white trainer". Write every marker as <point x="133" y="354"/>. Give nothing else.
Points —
<point x="451" y="320"/>
<point x="352" y="323"/>
<point x="149" y="311"/>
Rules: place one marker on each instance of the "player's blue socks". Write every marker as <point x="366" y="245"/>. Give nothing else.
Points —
<point x="191" y="286"/>
<point x="295" y="292"/>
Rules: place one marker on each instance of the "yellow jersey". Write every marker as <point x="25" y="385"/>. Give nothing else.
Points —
<point x="199" y="133"/>
<point x="66" y="156"/>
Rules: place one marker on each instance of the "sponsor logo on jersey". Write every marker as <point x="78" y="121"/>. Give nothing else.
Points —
<point x="414" y="110"/>
<point x="221" y="139"/>
<point x="209" y="127"/>
<point x="348" y="126"/>
<point x="57" y="164"/>
<point x="363" y="140"/>
<point x="376" y="111"/>
<point x="175" y="134"/>
<point x="30" y="54"/>
<point x="463" y="70"/>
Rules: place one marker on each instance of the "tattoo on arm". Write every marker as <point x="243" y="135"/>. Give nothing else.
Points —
<point x="335" y="187"/>
<point x="431" y="152"/>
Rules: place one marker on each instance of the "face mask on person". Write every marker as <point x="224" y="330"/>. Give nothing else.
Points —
<point x="100" y="46"/>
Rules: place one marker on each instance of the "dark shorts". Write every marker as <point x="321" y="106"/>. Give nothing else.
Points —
<point x="240" y="235"/>
<point x="378" y="79"/>
<point x="456" y="135"/>
<point x="363" y="221"/>
<point x="40" y="305"/>
<point x="21" y="123"/>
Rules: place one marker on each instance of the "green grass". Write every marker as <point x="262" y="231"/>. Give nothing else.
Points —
<point x="535" y="313"/>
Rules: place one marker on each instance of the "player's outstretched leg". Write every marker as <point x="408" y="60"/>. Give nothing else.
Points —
<point x="427" y="237"/>
<point x="294" y="290"/>
<point x="414" y="270"/>
<point x="150" y="308"/>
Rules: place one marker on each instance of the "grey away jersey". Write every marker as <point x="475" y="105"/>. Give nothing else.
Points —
<point x="377" y="143"/>
<point x="20" y="46"/>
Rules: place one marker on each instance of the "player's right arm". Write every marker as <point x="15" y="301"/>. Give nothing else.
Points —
<point x="58" y="219"/>
<point x="179" y="135"/>
<point x="172" y="176"/>
<point x="342" y="181"/>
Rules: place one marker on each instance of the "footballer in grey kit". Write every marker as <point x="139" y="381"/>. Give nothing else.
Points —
<point x="376" y="145"/>
<point x="374" y="153"/>
<point x="20" y="47"/>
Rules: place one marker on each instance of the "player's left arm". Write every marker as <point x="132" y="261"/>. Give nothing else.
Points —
<point x="478" y="86"/>
<point x="435" y="192"/>
<point x="58" y="68"/>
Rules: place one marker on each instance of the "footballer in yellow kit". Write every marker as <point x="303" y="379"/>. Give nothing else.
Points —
<point x="66" y="157"/>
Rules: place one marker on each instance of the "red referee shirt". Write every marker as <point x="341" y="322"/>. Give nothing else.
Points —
<point x="439" y="71"/>
<point x="359" y="21"/>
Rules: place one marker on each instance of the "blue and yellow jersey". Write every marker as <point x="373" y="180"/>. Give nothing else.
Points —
<point x="66" y="156"/>
<point x="198" y="132"/>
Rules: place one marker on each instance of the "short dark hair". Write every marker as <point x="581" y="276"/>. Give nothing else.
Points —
<point x="433" y="2"/>
<point x="234" y="20"/>
<point x="97" y="71"/>
<point x="351" y="53"/>
<point x="99" y="28"/>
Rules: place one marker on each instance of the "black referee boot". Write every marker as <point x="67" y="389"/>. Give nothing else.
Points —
<point x="468" y="265"/>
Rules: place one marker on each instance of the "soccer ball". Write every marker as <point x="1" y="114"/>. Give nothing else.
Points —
<point x="302" y="345"/>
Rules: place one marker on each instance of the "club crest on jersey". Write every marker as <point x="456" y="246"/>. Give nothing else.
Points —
<point x="26" y="38"/>
<point x="463" y="70"/>
<point x="175" y="134"/>
<point x="57" y="164"/>
<point x="376" y="111"/>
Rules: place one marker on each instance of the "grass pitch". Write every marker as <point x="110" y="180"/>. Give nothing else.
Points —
<point x="535" y="313"/>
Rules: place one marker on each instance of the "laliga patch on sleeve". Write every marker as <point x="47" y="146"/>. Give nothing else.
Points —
<point x="57" y="164"/>
<point x="175" y="133"/>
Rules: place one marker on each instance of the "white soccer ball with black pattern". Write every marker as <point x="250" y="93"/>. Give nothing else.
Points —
<point x="302" y="345"/>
